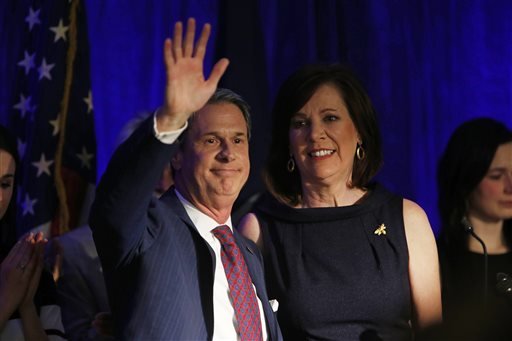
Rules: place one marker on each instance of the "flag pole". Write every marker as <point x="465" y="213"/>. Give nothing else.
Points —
<point x="63" y="210"/>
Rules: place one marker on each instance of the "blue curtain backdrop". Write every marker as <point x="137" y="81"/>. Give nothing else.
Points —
<point x="428" y="66"/>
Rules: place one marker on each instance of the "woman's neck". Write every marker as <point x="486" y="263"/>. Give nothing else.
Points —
<point x="491" y="233"/>
<point x="330" y="196"/>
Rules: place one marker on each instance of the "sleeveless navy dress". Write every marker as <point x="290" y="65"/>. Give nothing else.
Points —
<point x="339" y="273"/>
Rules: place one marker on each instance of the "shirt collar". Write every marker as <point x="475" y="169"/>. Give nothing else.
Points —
<point x="201" y="221"/>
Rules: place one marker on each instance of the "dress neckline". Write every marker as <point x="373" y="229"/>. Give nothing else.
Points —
<point x="376" y="196"/>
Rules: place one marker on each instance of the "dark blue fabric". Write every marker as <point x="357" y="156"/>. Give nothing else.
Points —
<point x="334" y="277"/>
<point x="428" y="66"/>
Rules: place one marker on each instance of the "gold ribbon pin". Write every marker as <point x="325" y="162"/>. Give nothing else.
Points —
<point x="380" y="230"/>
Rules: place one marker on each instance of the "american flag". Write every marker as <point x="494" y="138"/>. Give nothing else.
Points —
<point x="52" y="116"/>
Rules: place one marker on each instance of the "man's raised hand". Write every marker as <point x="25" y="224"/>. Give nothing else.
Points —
<point x="187" y="89"/>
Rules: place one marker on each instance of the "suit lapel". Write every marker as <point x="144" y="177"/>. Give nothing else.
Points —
<point x="251" y="256"/>
<point x="253" y="260"/>
<point x="172" y="200"/>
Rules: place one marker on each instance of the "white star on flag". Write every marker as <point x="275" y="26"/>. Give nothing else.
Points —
<point x="28" y="62"/>
<point x="60" y="31"/>
<point x="44" y="70"/>
<point x="32" y="18"/>
<point x="43" y="165"/>
<point x="88" y="100"/>
<point x="56" y="126"/>
<point x="24" y="105"/>
<point x="85" y="158"/>
<point x="28" y="205"/>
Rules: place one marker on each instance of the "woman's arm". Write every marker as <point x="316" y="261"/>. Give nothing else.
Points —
<point x="249" y="227"/>
<point x="32" y="327"/>
<point x="423" y="267"/>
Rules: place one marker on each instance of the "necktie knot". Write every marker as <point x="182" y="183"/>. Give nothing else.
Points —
<point x="223" y="234"/>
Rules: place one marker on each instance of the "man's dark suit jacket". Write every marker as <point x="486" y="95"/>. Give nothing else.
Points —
<point x="158" y="269"/>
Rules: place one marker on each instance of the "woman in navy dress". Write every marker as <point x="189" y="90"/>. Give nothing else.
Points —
<point x="345" y="258"/>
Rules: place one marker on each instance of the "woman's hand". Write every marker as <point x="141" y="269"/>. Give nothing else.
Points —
<point x="15" y="274"/>
<point x="19" y="275"/>
<point x="36" y="267"/>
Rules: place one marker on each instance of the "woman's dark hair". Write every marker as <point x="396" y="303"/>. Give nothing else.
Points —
<point x="293" y="95"/>
<point x="462" y="166"/>
<point x="7" y="223"/>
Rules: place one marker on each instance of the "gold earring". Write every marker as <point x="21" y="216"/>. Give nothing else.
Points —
<point x="360" y="153"/>
<point x="291" y="164"/>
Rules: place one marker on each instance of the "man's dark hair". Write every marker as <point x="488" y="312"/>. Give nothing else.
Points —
<point x="223" y="95"/>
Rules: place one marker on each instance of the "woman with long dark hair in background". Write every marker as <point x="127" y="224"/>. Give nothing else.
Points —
<point x="27" y="293"/>
<point x="475" y="203"/>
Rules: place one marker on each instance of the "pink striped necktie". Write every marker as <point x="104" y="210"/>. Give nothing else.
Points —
<point x="240" y="286"/>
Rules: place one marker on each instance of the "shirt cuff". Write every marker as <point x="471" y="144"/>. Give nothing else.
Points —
<point x="167" y="137"/>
